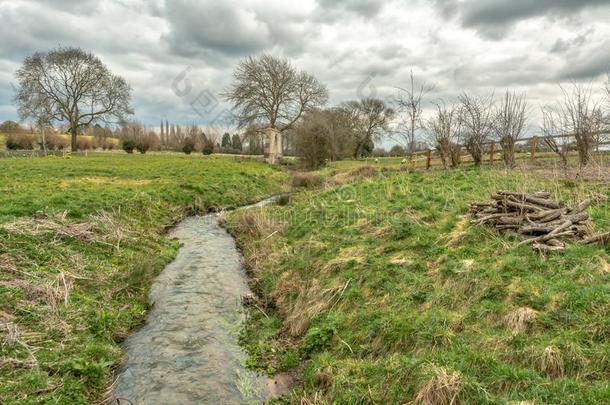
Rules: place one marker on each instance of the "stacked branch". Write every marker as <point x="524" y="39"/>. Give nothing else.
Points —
<point x="543" y="223"/>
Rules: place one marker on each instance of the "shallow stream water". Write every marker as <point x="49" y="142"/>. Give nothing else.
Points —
<point x="187" y="352"/>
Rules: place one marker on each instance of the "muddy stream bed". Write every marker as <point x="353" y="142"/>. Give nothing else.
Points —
<point x="187" y="352"/>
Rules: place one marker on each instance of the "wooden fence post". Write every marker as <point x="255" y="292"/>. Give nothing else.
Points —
<point x="428" y="159"/>
<point x="533" y="147"/>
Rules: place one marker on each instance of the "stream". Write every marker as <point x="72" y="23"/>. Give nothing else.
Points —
<point x="187" y="352"/>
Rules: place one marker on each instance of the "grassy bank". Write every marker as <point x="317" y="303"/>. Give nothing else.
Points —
<point x="80" y="241"/>
<point x="386" y="294"/>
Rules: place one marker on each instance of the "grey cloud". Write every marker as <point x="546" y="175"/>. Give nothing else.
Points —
<point x="79" y="6"/>
<point x="493" y="18"/>
<point x="565" y="45"/>
<point x="230" y="28"/>
<point x="225" y="27"/>
<point x="364" y="8"/>
<point x="587" y="64"/>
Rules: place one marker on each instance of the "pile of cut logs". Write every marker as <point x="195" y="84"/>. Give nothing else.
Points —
<point x="544" y="223"/>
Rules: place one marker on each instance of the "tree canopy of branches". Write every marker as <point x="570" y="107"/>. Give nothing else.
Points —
<point x="409" y="103"/>
<point x="476" y="120"/>
<point x="11" y="127"/>
<point x="369" y="119"/>
<point x="577" y="116"/>
<point x="236" y="143"/>
<point x="270" y="91"/>
<point x="323" y="134"/>
<point x="72" y="86"/>
<point x="509" y="122"/>
<point x="554" y="136"/>
<point x="444" y="127"/>
<point x="312" y="142"/>
<point x="225" y="143"/>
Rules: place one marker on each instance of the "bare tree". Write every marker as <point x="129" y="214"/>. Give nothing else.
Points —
<point x="40" y="109"/>
<point x="369" y="118"/>
<point x="270" y="91"/>
<point x="444" y="127"/>
<point x="554" y="135"/>
<point x="581" y="117"/>
<point x="476" y="120"/>
<point x="409" y="102"/>
<point x="509" y="123"/>
<point x="78" y="87"/>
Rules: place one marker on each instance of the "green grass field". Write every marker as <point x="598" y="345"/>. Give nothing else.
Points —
<point x="543" y="159"/>
<point x="385" y="293"/>
<point x="80" y="241"/>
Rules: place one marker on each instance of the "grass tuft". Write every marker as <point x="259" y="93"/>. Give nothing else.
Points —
<point x="519" y="320"/>
<point x="551" y="362"/>
<point x="442" y="388"/>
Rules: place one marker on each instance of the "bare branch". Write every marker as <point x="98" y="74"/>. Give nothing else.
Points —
<point x="409" y="102"/>
<point x="509" y="122"/>
<point x="444" y="127"/>
<point x="270" y="91"/>
<point x="476" y="121"/>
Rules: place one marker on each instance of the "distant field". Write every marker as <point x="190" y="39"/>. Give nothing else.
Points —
<point x="386" y="294"/>
<point x="80" y="241"/>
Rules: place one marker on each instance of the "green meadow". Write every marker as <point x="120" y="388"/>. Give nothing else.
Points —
<point x="80" y="241"/>
<point x="377" y="289"/>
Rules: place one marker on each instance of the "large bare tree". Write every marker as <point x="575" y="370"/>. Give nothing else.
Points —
<point x="270" y="91"/>
<point x="78" y="88"/>
<point x="476" y="120"/>
<point x="509" y="122"/>
<point x="444" y="127"/>
<point x="370" y="118"/>
<point x="409" y="102"/>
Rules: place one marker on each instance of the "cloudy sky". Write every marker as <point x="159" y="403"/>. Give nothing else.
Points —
<point x="178" y="55"/>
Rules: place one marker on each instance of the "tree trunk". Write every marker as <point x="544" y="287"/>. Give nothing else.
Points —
<point x="357" y="151"/>
<point x="73" y="132"/>
<point x="444" y="151"/>
<point x="508" y="152"/>
<point x="44" y="141"/>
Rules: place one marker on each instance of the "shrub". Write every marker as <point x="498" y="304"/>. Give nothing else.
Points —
<point x="106" y="143"/>
<point x="142" y="147"/>
<point x="188" y="148"/>
<point x="57" y="141"/>
<point x="313" y="145"/>
<point x="20" y="141"/>
<point x="129" y="145"/>
<point x="84" y="142"/>
<point x="208" y="148"/>
<point x="397" y="150"/>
